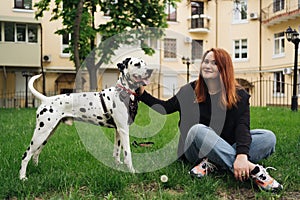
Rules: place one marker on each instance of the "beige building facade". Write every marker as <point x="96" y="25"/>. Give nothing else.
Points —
<point x="253" y="32"/>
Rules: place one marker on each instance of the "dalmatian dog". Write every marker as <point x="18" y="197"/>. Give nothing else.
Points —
<point x="114" y="107"/>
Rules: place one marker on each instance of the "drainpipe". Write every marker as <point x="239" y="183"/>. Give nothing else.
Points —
<point x="260" y="51"/>
<point x="217" y="10"/>
<point x="41" y="61"/>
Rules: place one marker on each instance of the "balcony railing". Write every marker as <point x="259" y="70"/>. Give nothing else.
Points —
<point x="280" y="11"/>
<point x="199" y="23"/>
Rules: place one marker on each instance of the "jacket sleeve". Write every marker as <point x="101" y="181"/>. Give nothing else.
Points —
<point x="163" y="107"/>
<point x="242" y="131"/>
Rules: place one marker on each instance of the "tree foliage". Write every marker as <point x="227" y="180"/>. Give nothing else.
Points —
<point x="131" y="18"/>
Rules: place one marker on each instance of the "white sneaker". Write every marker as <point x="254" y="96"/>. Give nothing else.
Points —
<point x="264" y="181"/>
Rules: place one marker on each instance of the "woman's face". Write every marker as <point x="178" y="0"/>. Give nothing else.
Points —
<point x="209" y="69"/>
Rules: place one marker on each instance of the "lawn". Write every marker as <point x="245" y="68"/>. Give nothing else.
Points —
<point x="72" y="167"/>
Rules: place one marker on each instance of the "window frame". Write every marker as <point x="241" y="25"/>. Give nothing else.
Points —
<point x="240" y="50"/>
<point x="23" y="4"/>
<point x="279" y="78"/>
<point x="170" y="9"/>
<point x="279" y="43"/>
<point x="64" y="46"/>
<point x="278" y="5"/>
<point x="15" y="32"/>
<point x="240" y="11"/>
<point x="170" y="48"/>
<point x="197" y="54"/>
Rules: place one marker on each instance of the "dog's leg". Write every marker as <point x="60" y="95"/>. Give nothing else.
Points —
<point x="125" y="143"/>
<point x="38" y="141"/>
<point x="117" y="148"/>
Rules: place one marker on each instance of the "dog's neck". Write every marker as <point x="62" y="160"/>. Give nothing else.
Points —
<point x="126" y="85"/>
<point x="126" y="90"/>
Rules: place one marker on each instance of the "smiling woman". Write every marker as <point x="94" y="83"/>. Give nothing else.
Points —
<point x="215" y="123"/>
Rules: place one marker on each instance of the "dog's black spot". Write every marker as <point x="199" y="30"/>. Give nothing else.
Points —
<point x="49" y="119"/>
<point x="68" y="94"/>
<point x="60" y="103"/>
<point x="109" y="89"/>
<point x="108" y="98"/>
<point x="51" y="110"/>
<point x="91" y="103"/>
<point x="137" y="65"/>
<point x="24" y="155"/>
<point x="31" y="142"/>
<point x="84" y="95"/>
<point x="111" y="111"/>
<point x="62" y="113"/>
<point x="84" y="116"/>
<point x="101" y="123"/>
<point x="45" y="110"/>
<point x="37" y="116"/>
<point x="119" y="143"/>
<point x="117" y="154"/>
<point x="45" y="142"/>
<point x="103" y="94"/>
<point x="114" y="105"/>
<point x="99" y="117"/>
<point x="125" y="152"/>
<point x="82" y="110"/>
<point x="42" y="124"/>
<point x="28" y="148"/>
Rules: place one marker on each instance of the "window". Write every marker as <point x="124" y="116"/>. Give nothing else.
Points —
<point x="278" y="5"/>
<point x="279" y="43"/>
<point x="23" y="4"/>
<point x="171" y="12"/>
<point x="32" y="33"/>
<point x="240" y="49"/>
<point x="278" y="83"/>
<point x="169" y="48"/>
<point x="197" y="49"/>
<point x="197" y="10"/>
<point x="240" y="10"/>
<point x="14" y="32"/>
<point x="65" y="44"/>
<point x="21" y="32"/>
<point x="170" y="85"/>
<point x="9" y="32"/>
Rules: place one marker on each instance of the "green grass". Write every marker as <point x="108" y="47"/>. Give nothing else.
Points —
<point x="67" y="170"/>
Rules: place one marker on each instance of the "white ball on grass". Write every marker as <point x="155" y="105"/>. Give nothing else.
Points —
<point x="164" y="178"/>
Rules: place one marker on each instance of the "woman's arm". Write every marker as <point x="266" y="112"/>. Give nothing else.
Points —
<point x="163" y="107"/>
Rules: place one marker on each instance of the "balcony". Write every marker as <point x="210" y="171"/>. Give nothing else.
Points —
<point x="199" y="23"/>
<point x="280" y="11"/>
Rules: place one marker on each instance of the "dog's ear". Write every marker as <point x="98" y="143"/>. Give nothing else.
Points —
<point x="121" y="67"/>
<point x="126" y="61"/>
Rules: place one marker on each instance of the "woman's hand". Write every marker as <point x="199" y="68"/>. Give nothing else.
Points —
<point x="141" y="90"/>
<point x="241" y="167"/>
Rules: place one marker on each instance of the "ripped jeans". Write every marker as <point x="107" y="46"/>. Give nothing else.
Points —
<point x="202" y="141"/>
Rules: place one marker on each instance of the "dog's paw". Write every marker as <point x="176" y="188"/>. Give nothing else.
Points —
<point x="23" y="178"/>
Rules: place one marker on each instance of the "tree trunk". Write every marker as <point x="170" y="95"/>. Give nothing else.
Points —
<point x="76" y="36"/>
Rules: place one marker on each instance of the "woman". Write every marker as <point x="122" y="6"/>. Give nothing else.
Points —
<point x="215" y="123"/>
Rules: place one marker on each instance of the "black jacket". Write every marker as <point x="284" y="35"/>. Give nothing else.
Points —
<point x="232" y="125"/>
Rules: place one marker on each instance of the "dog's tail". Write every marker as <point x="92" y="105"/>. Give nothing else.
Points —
<point x="33" y="90"/>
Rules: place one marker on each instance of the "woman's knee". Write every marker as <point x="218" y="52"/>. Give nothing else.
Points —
<point x="266" y="135"/>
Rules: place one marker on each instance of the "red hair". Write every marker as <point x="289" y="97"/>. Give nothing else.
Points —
<point x="229" y="96"/>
